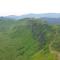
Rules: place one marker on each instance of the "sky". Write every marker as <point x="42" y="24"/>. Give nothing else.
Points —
<point x="21" y="7"/>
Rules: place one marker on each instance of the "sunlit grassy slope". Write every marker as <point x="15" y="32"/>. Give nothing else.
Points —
<point x="26" y="39"/>
<point x="44" y="55"/>
<point x="17" y="43"/>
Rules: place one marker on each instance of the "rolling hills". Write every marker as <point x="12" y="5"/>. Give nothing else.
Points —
<point x="28" y="39"/>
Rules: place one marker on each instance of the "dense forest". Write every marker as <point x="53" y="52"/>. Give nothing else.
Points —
<point x="29" y="39"/>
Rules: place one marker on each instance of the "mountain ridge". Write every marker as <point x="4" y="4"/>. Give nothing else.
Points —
<point x="43" y="15"/>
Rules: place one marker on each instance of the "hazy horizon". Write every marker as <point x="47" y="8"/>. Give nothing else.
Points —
<point x="22" y="7"/>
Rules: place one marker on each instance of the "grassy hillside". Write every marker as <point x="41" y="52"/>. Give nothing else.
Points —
<point x="28" y="39"/>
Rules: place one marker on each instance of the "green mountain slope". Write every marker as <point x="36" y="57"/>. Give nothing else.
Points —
<point x="28" y="39"/>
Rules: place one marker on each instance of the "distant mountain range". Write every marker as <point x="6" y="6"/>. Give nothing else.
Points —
<point x="50" y="17"/>
<point x="47" y="15"/>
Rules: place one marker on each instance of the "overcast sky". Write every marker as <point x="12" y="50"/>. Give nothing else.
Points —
<point x="20" y="7"/>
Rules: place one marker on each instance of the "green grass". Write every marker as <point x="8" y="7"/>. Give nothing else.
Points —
<point x="43" y="56"/>
<point x="19" y="42"/>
